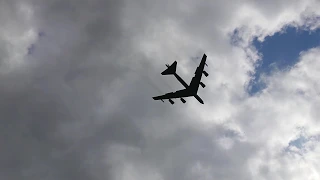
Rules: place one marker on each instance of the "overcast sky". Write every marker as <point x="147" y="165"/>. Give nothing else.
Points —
<point x="77" y="79"/>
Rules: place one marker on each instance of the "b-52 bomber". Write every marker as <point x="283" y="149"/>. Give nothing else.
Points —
<point x="190" y="90"/>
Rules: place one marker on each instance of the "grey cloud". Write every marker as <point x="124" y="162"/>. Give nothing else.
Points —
<point x="50" y="126"/>
<point x="175" y="156"/>
<point x="85" y="89"/>
<point x="60" y="86"/>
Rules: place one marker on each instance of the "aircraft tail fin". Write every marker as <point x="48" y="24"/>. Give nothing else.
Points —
<point x="171" y="69"/>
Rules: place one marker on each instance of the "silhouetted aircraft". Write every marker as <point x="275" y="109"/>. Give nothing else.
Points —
<point x="190" y="90"/>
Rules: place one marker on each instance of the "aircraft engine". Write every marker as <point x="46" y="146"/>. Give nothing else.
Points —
<point x="203" y="85"/>
<point x="171" y="101"/>
<point x="184" y="101"/>
<point x="205" y="73"/>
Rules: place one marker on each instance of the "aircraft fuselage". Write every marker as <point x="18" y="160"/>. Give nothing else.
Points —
<point x="190" y="89"/>
<point x="194" y="93"/>
<point x="181" y="80"/>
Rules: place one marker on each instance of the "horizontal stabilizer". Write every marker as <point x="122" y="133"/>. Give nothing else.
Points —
<point x="171" y="69"/>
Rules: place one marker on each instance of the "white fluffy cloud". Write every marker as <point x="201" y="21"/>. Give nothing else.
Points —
<point x="80" y="106"/>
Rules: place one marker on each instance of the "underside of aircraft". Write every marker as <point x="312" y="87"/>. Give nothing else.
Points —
<point x="191" y="89"/>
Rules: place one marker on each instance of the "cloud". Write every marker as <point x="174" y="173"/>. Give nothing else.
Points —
<point x="288" y="105"/>
<point x="80" y="107"/>
<point x="15" y="34"/>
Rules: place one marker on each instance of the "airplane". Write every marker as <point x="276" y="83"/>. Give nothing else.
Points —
<point x="190" y="90"/>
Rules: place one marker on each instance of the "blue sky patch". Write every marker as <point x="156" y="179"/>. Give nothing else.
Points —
<point x="299" y="142"/>
<point x="281" y="51"/>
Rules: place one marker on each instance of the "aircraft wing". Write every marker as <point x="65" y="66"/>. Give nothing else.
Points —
<point x="177" y="94"/>
<point x="195" y="82"/>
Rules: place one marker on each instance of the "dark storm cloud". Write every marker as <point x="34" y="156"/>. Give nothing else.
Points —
<point x="43" y="102"/>
<point x="51" y="125"/>
<point x="80" y="106"/>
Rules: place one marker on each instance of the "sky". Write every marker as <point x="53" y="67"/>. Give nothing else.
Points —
<point x="281" y="51"/>
<point x="78" y="77"/>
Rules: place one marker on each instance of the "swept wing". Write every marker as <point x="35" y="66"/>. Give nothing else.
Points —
<point x="172" y="95"/>
<point x="195" y="82"/>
